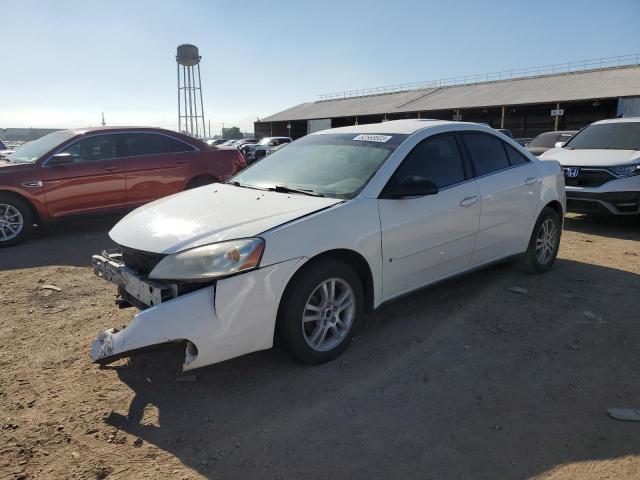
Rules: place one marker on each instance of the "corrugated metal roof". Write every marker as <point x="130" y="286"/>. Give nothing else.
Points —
<point x="595" y="84"/>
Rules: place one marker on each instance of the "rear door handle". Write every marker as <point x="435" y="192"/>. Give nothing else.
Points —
<point x="111" y="169"/>
<point x="468" y="201"/>
<point x="531" y="180"/>
<point x="180" y="161"/>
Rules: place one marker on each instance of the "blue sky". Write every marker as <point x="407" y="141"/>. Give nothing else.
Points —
<point x="63" y="62"/>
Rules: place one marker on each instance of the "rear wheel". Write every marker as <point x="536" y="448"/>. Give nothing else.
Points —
<point x="16" y="220"/>
<point x="544" y="242"/>
<point x="320" y="311"/>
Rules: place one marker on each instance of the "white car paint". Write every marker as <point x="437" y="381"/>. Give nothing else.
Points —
<point x="406" y="243"/>
<point x="207" y="215"/>
<point x="599" y="160"/>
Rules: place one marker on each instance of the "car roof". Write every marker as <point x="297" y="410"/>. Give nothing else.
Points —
<point x="618" y="120"/>
<point x="78" y="131"/>
<point x="395" y="126"/>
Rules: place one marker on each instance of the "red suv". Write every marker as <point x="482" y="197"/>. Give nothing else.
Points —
<point x="96" y="170"/>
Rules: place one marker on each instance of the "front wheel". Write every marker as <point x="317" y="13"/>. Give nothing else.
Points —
<point x="544" y="242"/>
<point x="16" y="220"/>
<point x="320" y="311"/>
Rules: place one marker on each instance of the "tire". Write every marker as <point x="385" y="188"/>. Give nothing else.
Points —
<point x="16" y="220"/>
<point x="199" y="182"/>
<point x="329" y="330"/>
<point x="546" y="234"/>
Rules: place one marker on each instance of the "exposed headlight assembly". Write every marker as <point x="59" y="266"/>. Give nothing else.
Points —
<point x="626" y="170"/>
<point x="210" y="261"/>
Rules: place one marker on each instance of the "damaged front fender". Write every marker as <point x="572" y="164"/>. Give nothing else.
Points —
<point x="232" y="318"/>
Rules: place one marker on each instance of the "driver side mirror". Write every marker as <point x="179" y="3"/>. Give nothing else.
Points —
<point x="60" y="159"/>
<point x="411" y="186"/>
<point x="559" y="144"/>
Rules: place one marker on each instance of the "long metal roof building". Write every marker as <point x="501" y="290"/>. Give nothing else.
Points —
<point x="595" y="84"/>
<point x="522" y="104"/>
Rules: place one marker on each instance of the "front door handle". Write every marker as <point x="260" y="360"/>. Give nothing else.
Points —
<point x="111" y="168"/>
<point x="468" y="201"/>
<point x="180" y="161"/>
<point x="531" y="180"/>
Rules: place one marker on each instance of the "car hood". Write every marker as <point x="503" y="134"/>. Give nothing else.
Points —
<point x="591" y="158"/>
<point x="210" y="214"/>
<point x="8" y="166"/>
<point x="537" y="150"/>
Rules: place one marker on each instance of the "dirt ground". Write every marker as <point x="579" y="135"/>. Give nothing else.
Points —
<point x="465" y="380"/>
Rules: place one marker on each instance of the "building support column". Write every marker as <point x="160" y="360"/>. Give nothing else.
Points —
<point x="557" y="120"/>
<point x="504" y="112"/>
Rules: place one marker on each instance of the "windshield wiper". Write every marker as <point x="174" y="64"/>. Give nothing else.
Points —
<point x="238" y="184"/>
<point x="285" y="189"/>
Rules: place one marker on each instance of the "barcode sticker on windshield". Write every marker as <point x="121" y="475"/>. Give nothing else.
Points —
<point x="373" y="138"/>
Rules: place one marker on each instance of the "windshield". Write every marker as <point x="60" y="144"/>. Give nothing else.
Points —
<point x="32" y="151"/>
<point x="264" y="141"/>
<point x="549" y="139"/>
<point x="614" y="136"/>
<point x="334" y="165"/>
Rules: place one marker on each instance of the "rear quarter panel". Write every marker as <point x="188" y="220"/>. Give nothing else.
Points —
<point x="221" y="163"/>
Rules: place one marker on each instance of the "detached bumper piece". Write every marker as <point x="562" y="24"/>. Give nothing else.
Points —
<point x="607" y="203"/>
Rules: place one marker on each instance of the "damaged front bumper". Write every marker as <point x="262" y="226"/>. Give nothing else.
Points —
<point x="233" y="317"/>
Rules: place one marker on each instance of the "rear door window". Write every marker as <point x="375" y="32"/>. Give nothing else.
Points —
<point x="137" y="144"/>
<point x="487" y="153"/>
<point x="515" y="157"/>
<point x="171" y="145"/>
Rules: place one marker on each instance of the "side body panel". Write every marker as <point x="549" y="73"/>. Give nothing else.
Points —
<point x="427" y="238"/>
<point x="353" y="225"/>
<point x="509" y="206"/>
<point x="84" y="187"/>
<point x="149" y="177"/>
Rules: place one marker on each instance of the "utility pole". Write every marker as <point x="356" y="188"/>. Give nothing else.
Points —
<point x="103" y="122"/>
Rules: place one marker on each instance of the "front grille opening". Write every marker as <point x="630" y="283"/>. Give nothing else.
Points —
<point x="589" y="178"/>
<point x="140" y="262"/>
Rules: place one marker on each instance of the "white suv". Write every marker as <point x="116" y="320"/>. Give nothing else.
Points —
<point x="601" y="165"/>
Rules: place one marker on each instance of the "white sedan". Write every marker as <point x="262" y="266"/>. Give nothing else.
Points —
<point x="304" y="243"/>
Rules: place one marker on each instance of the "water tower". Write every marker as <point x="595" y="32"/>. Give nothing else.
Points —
<point x="190" y="107"/>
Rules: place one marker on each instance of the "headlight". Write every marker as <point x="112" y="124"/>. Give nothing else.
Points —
<point x="626" y="170"/>
<point x="210" y="261"/>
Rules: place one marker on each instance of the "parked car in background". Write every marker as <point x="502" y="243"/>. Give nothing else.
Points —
<point x="522" y="141"/>
<point x="263" y="147"/>
<point x="245" y="141"/>
<point x="3" y="146"/>
<point x="96" y="170"/>
<point x="601" y="165"/>
<point x="548" y="140"/>
<point x="303" y="243"/>
<point x="215" y="141"/>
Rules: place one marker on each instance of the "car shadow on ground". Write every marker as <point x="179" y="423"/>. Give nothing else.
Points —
<point x="64" y="243"/>
<point x="462" y="380"/>
<point x="621" y="227"/>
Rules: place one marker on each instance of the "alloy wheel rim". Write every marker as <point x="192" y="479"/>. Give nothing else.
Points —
<point x="11" y="222"/>
<point x="328" y="314"/>
<point x="546" y="241"/>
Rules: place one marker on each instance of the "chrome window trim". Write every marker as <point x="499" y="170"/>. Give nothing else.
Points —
<point x="100" y="134"/>
<point x="510" y="167"/>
